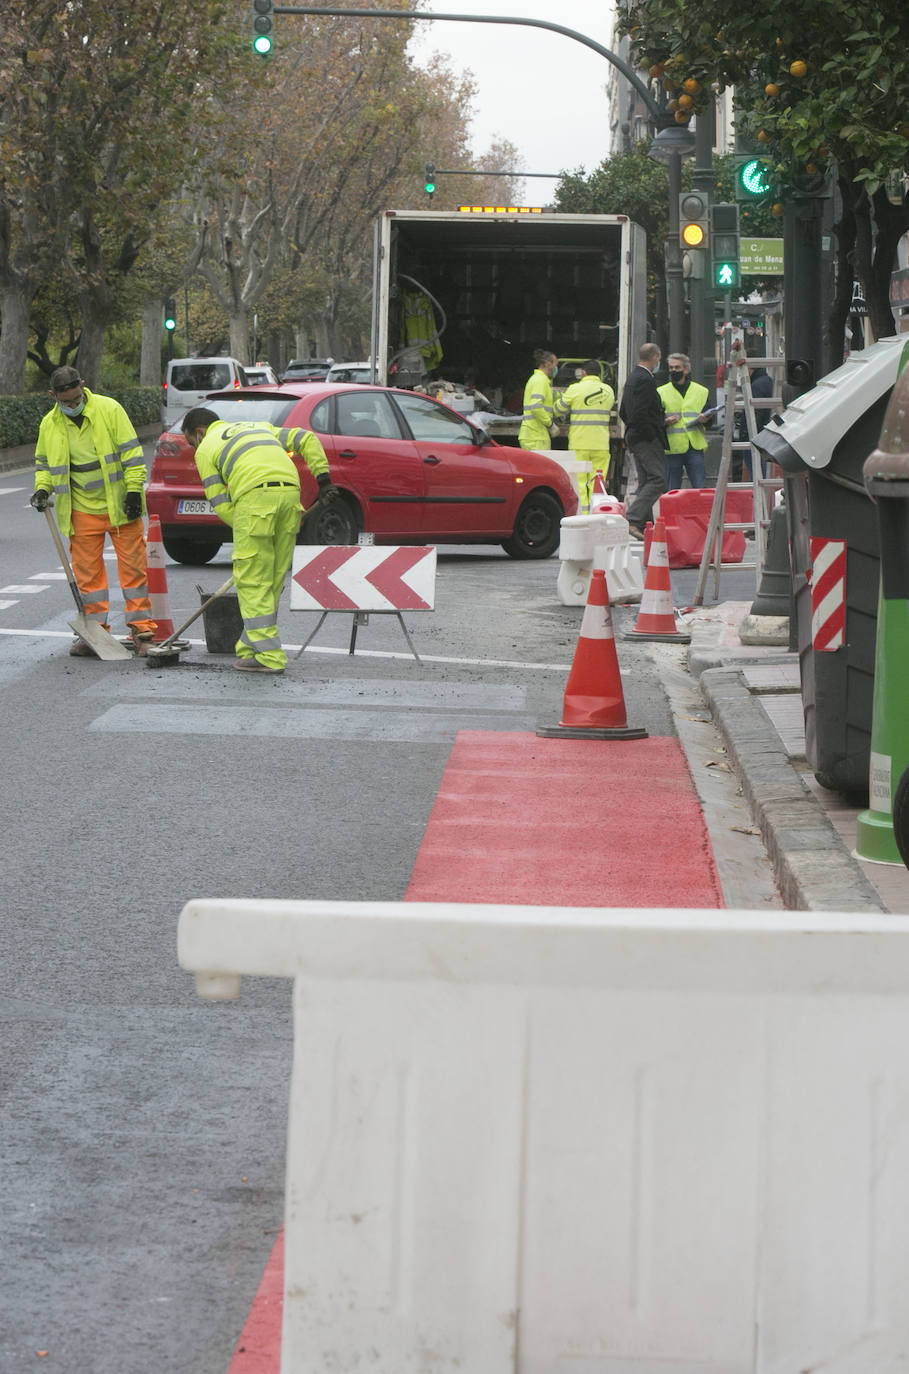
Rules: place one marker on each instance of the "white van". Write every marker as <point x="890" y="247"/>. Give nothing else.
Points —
<point x="188" y="381"/>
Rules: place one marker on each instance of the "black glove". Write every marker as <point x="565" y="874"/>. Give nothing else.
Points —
<point x="132" y="505"/>
<point x="38" y="499"/>
<point x="327" y="492"/>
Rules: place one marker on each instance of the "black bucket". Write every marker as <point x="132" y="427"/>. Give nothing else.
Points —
<point x="222" y="621"/>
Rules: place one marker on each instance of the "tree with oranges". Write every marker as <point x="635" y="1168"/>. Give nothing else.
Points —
<point x="822" y="89"/>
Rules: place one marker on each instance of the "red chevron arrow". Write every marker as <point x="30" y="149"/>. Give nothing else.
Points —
<point x="386" y="578"/>
<point x="315" y="577"/>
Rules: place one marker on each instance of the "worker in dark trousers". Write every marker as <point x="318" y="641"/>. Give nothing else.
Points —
<point x="645" y="422"/>
<point x="254" y="487"/>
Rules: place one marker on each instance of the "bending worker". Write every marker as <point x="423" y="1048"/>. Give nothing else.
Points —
<point x="684" y="402"/>
<point x="588" y="404"/>
<point x="537" y="426"/>
<point x="88" y="455"/>
<point x="254" y="487"/>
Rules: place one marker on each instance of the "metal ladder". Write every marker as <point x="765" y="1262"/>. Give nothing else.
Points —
<point x="737" y="375"/>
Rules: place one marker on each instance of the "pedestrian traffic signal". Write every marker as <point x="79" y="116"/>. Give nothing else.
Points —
<point x="429" y="177"/>
<point x="694" y="212"/>
<point x="170" y="316"/>
<point x="263" y="23"/>
<point x="724" y="245"/>
<point x="752" y="178"/>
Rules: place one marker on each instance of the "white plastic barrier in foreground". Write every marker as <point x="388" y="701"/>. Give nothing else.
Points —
<point x="586" y="1142"/>
<point x="598" y="541"/>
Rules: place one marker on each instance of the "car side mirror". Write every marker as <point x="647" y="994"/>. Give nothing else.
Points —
<point x="481" y="438"/>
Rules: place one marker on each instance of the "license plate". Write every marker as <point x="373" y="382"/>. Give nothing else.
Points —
<point x="195" y="508"/>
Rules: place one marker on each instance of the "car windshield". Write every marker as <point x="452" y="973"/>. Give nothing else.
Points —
<point x="274" y="409"/>
<point x="200" y="376"/>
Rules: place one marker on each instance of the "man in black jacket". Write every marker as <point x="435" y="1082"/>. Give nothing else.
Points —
<point x="645" y="435"/>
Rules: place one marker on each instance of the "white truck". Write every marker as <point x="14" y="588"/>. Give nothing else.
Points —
<point x="462" y="298"/>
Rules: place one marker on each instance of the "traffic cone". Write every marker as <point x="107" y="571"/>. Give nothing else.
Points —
<point x="157" y="581"/>
<point x="656" y="618"/>
<point x="601" y="503"/>
<point x="594" y="705"/>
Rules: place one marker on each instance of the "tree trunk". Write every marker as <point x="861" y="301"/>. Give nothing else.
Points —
<point x="15" y="300"/>
<point x="150" y="357"/>
<point x="239" y="336"/>
<point x="839" y="313"/>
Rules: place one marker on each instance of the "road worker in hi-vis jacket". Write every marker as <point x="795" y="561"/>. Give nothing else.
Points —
<point x="588" y="404"/>
<point x="88" y="456"/>
<point x="537" y="426"/>
<point x="684" y="402"/>
<point x="254" y="487"/>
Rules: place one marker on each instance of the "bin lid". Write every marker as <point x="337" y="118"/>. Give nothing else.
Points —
<point x="808" y="431"/>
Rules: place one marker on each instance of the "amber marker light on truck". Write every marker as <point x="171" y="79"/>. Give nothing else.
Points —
<point x="500" y="209"/>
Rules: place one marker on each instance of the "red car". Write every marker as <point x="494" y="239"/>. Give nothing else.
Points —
<point x="409" y="470"/>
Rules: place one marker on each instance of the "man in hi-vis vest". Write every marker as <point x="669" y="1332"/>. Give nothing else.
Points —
<point x="684" y="402"/>
<point x="588" y="404"/>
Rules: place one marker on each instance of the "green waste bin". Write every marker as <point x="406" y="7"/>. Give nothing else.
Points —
<point x="821" y="442"/>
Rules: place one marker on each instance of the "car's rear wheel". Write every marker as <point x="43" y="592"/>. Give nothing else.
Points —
<point x="185" y="550"/>
<point x="335" y="522"/>
<point x="536" y="528"/>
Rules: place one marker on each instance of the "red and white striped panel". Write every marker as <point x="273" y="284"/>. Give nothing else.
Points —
<point x="828" y="593"/>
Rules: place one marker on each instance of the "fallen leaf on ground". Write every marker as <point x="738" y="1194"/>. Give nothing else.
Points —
<point x="718" y="763"/>
<point x="746" y="829"/>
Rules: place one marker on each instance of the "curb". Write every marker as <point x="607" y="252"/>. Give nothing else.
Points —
<point x="813" y="870"/>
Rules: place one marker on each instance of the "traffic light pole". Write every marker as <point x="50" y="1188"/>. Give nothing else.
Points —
<point x="675" y="271"/>
<point x="703" y="336"/>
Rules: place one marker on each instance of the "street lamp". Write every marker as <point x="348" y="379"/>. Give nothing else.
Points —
<point x="673" y="143"/>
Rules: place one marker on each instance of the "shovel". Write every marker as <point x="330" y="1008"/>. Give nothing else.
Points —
<point x="96" y="637"/>
<point x="168" y="651"/>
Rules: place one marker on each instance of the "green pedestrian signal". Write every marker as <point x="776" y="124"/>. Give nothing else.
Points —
<point x="429" y="177"/>
<point x="263" y="24"/>
<point x="726" y="275"/>
<point x="170" y="316"/>
<point x="752" y="179"/>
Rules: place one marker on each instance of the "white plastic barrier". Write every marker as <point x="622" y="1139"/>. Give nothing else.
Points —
<point x="560" y="1141"/>
<point x="568" y="461"/>
<point x="598" y="541"/>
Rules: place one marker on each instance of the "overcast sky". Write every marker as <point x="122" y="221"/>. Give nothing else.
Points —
<point x="543" y="91"/>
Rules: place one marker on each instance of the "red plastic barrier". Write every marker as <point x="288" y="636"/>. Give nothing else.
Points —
<point x="687" y="514"/>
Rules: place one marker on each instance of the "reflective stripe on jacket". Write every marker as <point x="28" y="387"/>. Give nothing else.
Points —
<point x="588" y="403"/>
<point x="537" y="419"/>
<point x="119" y="467"/>
<point x="689" y="407"/>
<point x="236" y="458"/>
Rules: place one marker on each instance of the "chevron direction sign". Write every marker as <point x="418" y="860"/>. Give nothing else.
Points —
<point x="348" y="577"/>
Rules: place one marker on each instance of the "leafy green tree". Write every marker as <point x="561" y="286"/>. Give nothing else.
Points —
<point x="822" y="89"/>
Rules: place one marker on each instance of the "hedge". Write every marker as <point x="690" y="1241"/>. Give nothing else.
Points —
<point x="20" y="416"/>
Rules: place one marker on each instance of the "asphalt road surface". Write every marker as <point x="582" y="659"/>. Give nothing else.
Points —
<point x="142" y="1131"/>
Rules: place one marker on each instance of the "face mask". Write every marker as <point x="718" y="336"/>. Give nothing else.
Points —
<point x="72" y="410"/>
<point x="676" y="377"/>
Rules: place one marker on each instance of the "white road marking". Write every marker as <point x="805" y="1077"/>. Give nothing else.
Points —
<point x="22" y="589"/>
<point x="48" y="577"/>
<point x="8" y="491"/>
<point x="5" y="605"/>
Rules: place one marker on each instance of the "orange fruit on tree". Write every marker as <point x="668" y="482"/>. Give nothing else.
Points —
<point x="673" y="106"/>
<point x="810" y="168"/>
<point x="763" y="136"/>
<point x="904" y="130"/>
<point x="656" y="70"/>
<point x="686" y="101"/>
<point x="692" y="85"/>
<point x="798" y="69"/>
<point x="668" y="83"/>
<point x="682" y="116"/>
<point x="777" y="209"/>
<point x="771" y="89"/>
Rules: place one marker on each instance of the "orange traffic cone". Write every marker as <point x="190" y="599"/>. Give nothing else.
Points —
<point x="594" y="706"/>
<point x="601" y="503"/>
<point x="157" y="581"/>
<point x="656" y="617"/>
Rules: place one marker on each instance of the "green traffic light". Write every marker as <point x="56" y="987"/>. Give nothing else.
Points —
<point x="430" y="186"/>
<point x="262" y="44"/>
<point x="754" y="177"/>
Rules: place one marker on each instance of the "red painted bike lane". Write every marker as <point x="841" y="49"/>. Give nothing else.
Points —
<point x="555" y="822"/>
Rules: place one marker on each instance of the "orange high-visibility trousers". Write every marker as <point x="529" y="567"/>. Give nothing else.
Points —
<point x="86" y="549"/>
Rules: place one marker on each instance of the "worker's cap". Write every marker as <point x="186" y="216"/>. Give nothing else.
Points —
<point x="63" y="378"/>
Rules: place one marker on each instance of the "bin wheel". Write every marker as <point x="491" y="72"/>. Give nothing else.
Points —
<point x="901" y="817"/>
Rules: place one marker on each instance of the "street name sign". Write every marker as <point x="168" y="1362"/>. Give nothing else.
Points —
<point x="760" y="257"/>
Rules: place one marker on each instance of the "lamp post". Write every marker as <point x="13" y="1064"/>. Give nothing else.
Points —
<point x="671" y="145"/>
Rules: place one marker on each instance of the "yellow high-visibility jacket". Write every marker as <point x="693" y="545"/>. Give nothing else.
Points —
<point x="688" y="407"/>
<point x="236" y="457"/>
<point x="588" y="404"/>
<point x="120" y="462"/>
<point x="537" y="418"/>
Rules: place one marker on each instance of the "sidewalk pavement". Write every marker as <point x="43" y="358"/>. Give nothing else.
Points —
<point x="754" y="695"/>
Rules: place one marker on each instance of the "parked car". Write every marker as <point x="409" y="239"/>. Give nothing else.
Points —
<point x="187" y="381"/>
<point x="306" y="370"/>
<point x="409" y="471"/>
<point x="360" y="373"/>
<point x="261" y="375"/>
